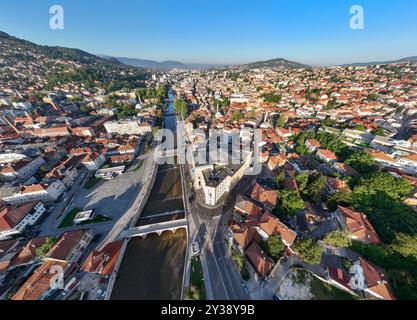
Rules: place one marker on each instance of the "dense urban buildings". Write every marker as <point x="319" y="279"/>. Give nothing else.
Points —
<point x="335" y="198"/>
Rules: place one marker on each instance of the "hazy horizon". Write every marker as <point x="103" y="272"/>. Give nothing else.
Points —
<point x="222" y="32"/>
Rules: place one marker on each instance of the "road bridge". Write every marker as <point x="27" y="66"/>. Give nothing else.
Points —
<point x="158" y="228"/>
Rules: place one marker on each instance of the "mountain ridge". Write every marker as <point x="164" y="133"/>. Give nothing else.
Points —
<point x="364" y="64"/>
<point x="59" y="52"/>
<point x="275" y="63"/>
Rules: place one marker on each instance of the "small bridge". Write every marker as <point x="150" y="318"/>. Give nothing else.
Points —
<point x="158" y="228"/>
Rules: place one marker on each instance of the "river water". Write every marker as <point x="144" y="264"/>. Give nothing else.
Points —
<point x="152" y="268"/>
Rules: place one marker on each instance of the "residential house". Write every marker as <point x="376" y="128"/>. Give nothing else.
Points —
<point x="38" y="192"/>
<point x="51" y="132"/>
<point x="357" y="224"/>
<point x="284" y="133"/>
<point x="334" y="185"/>
<point x="103" y="262"/>
<point x="94" y="161"/>
<point x="370" y="279"/>
<point x="275" y="162"/>
<point x="22" y="169"/>
<point x="265" y="196"/>
<point x="262" y="264"/>
<point x="70" y="247"/>
<point x="122" y="159"/>
<point x="312" y="145"/>
<point x="408" y="164"/>
<point x="326" y="155"/>
<point x="67" y="171"/>
<point x="38" y="286"/>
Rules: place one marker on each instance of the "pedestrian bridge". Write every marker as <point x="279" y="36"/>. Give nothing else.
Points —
<point x="158" y="228"/>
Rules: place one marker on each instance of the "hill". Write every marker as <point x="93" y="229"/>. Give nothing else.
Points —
<point x="44" y="67"/>
<point x="364" y="64"/>
<point x="275" y="63"/>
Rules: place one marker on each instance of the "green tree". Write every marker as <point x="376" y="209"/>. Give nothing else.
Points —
<point x="315" y="189"/>
<point x="274" y="247"/>
<point x="360" y="127"/>
<point x="290" y="202"/>
<point x="378" y="132"/>
<point x="338" y="239"/>
<point x="406" y="245"/>
<point x="279" y="179"/>
<point x="340" y="198"/>
<point x="301" y="148"/>
<point x="329" y="122"/>
<point x="373" y="97"/>
<point x="85" y="109"/>
<point x="271" y="97"/>
<point x="396" y="188"/>
<point x="302" y="180"/>
<point x="43" y="250"/>
<point x="309" y="251"/>
<point x="362" y="162"/>
<point x="281" y="121"/>
<point x="237" y="115"/>
<point x="181" y="107"/>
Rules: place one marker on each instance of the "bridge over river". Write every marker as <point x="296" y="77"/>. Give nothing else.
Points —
<point x="158" y="228"/>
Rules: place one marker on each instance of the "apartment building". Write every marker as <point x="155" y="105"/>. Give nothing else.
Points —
<point x="22" y="169"/>
<point x="10" y="157"/>
<point x="127" y="127"/>
<point x="70" y="247"/>
<point x="14" y="219"/>
<point x="94" y="161"/>
<point x="38" y="192"/>
<point x="217" y="180"/>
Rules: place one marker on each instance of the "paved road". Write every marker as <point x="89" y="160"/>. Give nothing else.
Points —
<point x="119" y="199"/>
<point x="222" y="279"/>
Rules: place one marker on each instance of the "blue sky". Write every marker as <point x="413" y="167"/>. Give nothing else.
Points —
<point x="316" y="32"/>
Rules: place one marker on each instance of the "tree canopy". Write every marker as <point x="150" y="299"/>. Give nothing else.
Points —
<point x="181" y="107"/>
<point x="338" y="239"/>
<point x="274" y="247"/>
<point x="43" y="250"/>
<point x="309" y="251"/>
<point x="290" y="202"/>
<point x="237" y="115"/>
<point x="362" y="162"/>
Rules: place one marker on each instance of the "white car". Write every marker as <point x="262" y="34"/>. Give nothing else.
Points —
<point x="196" y="248"/>
<point x="101" y="293"/>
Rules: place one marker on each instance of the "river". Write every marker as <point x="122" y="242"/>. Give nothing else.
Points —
<point x="152" y="268"/>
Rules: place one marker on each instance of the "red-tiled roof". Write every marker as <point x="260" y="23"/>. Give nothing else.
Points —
<point x="66" y="243"/>
<point x="264" y="195"/>
<point x="376" y="280"/>
<point x="103" y="262"/>
<point x="10" y="216"/>
<point x="314" y="143"/>
<point x="262" y="264"/>
<point x="39" y="282"/>
<point x="359" y="226"/>
<point x="28" y="252"/>
<point x="328" y="154"/>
